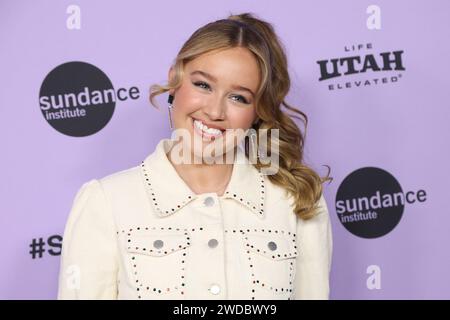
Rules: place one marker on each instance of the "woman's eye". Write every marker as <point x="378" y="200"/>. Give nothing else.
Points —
<point x="204" y="85"/>
<point x="201" y="84"/>
<point x="243" y="100"/>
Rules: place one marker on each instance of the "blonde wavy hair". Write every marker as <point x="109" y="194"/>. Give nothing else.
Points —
<point x="248" y="31"/>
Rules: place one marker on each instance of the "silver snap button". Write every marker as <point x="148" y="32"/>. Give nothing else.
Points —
<point x="214" y="289"/>
<point x="158" y="244"/>
<point x="272" y="245"/>
<point x="212" y="243"/>
<point x="209" y="201"/>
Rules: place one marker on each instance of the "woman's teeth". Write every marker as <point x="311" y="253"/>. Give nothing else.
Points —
<point x="209" y="131"/>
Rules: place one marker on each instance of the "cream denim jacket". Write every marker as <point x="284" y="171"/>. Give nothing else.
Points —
<point x="141" y="233"/>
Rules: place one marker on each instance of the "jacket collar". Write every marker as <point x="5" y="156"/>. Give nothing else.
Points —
<point x="168" y="192"/>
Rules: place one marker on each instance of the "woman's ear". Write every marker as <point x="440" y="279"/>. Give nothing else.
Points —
<point x="170" y="76"/>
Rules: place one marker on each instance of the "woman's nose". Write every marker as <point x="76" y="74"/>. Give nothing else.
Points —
<point x="215" y="109"/>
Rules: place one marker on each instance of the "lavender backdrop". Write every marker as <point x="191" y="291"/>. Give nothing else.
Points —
<point x="398" y="126"/>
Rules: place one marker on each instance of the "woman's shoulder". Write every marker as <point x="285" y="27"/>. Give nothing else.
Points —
<point x="122" y="179"/>
<point x="277" y="197"/>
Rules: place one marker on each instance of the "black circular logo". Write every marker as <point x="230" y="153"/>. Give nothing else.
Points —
<point x="77" y="99"/>
<point x="370" y="202"/>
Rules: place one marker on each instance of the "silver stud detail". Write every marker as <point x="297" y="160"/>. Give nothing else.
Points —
<point x="272" y="245"/>
<point x="158" y="244"/>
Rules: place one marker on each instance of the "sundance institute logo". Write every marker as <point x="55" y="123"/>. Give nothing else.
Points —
<point x="78" y="99"/>
<point x="370" y="202"/>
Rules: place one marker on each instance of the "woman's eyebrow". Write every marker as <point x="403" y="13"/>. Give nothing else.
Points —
<point x="214" y="79"/>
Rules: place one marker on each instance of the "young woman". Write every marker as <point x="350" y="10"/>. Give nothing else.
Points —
<point x="211" y="227"/>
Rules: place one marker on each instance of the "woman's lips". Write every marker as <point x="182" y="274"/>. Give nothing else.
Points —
<point x="205" y="135"/>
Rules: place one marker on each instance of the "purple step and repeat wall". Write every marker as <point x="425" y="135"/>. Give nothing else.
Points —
<point x="371" y="75"/>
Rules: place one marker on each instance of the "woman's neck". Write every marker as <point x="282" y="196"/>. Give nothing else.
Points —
<point x="204" y="178"/>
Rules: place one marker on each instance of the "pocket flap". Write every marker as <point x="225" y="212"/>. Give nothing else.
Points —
<point x="275" y="246"/>
<point x="157" y="243"/>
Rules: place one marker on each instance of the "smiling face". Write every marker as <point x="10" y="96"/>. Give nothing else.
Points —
<point x="217" y="91"/>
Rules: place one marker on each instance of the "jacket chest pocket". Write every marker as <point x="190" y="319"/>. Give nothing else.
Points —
<point x="271" y="257"/>
<point x="157" y="259"/>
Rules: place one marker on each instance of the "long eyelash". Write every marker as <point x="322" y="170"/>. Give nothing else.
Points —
<point x="243" y="99"/>
<point x="198" y="83"/>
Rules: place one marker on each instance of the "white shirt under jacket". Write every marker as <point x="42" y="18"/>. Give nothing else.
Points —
<point x="141" y="233"/>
